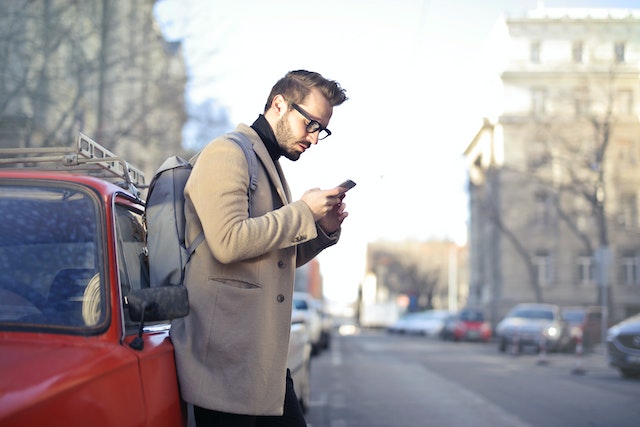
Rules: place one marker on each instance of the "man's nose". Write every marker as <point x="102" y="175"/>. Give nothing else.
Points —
<point x="312" y="137"/>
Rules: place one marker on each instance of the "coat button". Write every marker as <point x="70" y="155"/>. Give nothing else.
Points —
<point x="280" y="298"/>
<point x="281" y="264"/>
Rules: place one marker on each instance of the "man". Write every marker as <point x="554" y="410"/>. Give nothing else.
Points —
<point x="231" y="350"/>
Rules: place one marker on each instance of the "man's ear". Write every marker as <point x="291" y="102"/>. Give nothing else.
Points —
<point x="279" y="105"/>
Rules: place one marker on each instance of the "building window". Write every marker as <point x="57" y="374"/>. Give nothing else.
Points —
<point x="576" y="52"/>
<point x="586" y="270"/>
<point x="624" y="102"/>
<point x="538" y="100"/>
<point x="543" y="266"/>
<point x="619" y="52"/>
<point x="630" y="269"/>
<point x="543" y="210"/>
<point x="534" y="52"/>
<point x="628" y="218"/>
<point x="584" y="214"/>
<point x="581" y="100"/>
<point x="628" y="153"/>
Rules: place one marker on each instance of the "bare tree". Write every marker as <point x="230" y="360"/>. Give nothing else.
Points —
<point x="100" y="67"/>
<point x="413" y="269"/>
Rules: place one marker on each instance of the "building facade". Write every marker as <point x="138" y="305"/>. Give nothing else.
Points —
<point x="405" y="276"/>
<point x="553" y="177"/>
<point x="101" y="67"/>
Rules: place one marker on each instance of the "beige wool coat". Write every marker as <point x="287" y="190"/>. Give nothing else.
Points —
<point x="231" y="350"/>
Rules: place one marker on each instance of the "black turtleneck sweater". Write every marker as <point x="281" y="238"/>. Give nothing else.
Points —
<point x="264" y="131"/>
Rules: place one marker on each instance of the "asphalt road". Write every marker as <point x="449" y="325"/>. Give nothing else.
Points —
<point x="372" y="379"/>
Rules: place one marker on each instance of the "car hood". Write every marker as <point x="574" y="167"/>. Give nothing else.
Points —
<point x="33" y="372"/>
<point x="627" y="326"/>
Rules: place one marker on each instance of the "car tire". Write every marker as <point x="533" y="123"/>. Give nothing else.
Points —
<point x="629" y="373"/>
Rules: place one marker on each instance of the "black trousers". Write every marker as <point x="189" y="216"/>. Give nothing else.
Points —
<point x="292" y="417"/>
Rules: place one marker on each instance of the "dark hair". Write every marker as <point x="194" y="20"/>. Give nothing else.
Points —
<point x="296" y="85"/>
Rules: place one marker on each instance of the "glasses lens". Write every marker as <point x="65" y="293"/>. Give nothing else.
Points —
<point x="324" y="133"/>
<point x="313" y="126"/>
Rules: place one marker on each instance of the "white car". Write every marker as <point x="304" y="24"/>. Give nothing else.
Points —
<point x="533" y="324"/>
<point x="306" y="304"/>
<point x="427" y="322"/>
<point x="299" y="357"/>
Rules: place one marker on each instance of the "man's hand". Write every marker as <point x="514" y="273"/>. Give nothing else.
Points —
<point x="327" y="207"/>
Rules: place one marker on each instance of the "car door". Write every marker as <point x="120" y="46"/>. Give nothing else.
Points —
<point x="157" y="371"/>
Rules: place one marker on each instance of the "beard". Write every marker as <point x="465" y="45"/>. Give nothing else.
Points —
<point x="286" y="140"/>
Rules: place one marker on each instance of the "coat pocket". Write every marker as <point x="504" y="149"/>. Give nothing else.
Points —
<point x="234" y="283"/>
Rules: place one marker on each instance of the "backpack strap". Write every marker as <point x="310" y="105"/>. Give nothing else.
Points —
<point x="247" y="149"/>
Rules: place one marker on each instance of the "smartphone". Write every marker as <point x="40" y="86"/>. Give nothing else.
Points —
<point x="347" y="185"/>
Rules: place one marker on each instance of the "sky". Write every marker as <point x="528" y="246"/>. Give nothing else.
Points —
<point x="415" y="72"/>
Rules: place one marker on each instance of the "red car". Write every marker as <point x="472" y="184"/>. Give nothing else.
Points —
<point x="467" y="325"/>
<point x="74" y="348"/>
<point x="585" y="324"/>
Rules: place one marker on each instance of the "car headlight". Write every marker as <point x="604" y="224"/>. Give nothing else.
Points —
<point x="612" y="333"/>
<point x="552" y="331"/>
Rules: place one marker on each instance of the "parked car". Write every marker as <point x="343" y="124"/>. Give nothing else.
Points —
<point x="299" y="357"/>
<point x="467" y="325"/>
<point x="74" y="346"/>
<point x="327" y="324"/>
<point x="585" y="324"/>
<point x="535" y="325"/>
<point x="623" y="346"/>
<point x="305" y="302"/>
<point x="84" y="340"/>
<point x="427" y="322"/>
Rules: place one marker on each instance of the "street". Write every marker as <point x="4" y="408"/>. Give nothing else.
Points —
<point x="372" y="378"/>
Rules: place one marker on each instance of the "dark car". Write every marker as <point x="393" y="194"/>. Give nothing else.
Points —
<point x="533" y="325"/>
<point x="585" y="324"/>
<point x="623" y="346"/>
<point x="467" y="325"/>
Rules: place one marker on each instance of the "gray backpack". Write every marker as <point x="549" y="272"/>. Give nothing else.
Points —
<point x="167" y="253"/>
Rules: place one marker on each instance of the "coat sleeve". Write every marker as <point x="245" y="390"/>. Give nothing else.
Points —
<point x="216" y="192"/>
<point x="309" y="250"/>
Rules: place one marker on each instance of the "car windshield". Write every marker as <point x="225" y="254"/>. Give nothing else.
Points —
<point x="50" y="260"/>
<point x="573" y="316"/>
<point x="471" y="316"/>
<point x="532" y="313"/>
<point x="300" y="304"/>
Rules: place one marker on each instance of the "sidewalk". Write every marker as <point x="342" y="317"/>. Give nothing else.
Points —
<point x="592" y="361"/>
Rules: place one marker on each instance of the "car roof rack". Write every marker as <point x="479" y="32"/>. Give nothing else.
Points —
<point x="86" y="157"/>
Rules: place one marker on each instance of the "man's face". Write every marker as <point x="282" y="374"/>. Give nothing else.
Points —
<point x="291" y="129"/>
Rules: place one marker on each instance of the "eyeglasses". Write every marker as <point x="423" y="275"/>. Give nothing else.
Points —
<point x="313" y="125"/>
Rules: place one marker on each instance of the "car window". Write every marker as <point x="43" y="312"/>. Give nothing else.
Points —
<point x="50" y="257"/>
<point x="594" y="317"/>
<point x="471" y="316"/>
<point x="300" y="304"/>
<point x="573" y="316"/>
<point x="131" y="244"/>
<point x="527" y="313"/>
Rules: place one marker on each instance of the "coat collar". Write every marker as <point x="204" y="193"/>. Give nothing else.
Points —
<point x="274" y="171"/>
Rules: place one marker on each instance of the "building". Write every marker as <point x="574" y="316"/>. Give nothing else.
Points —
<point x="553" y="175"/>
<point x="411" y="276"/>
<point x="102" y="68"/>
<point x="309" y="279"/>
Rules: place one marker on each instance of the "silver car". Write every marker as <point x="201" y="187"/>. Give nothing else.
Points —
<point x="534" y="325"/>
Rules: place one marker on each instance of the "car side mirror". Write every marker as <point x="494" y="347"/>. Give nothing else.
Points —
<point x="158" y="303"/>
